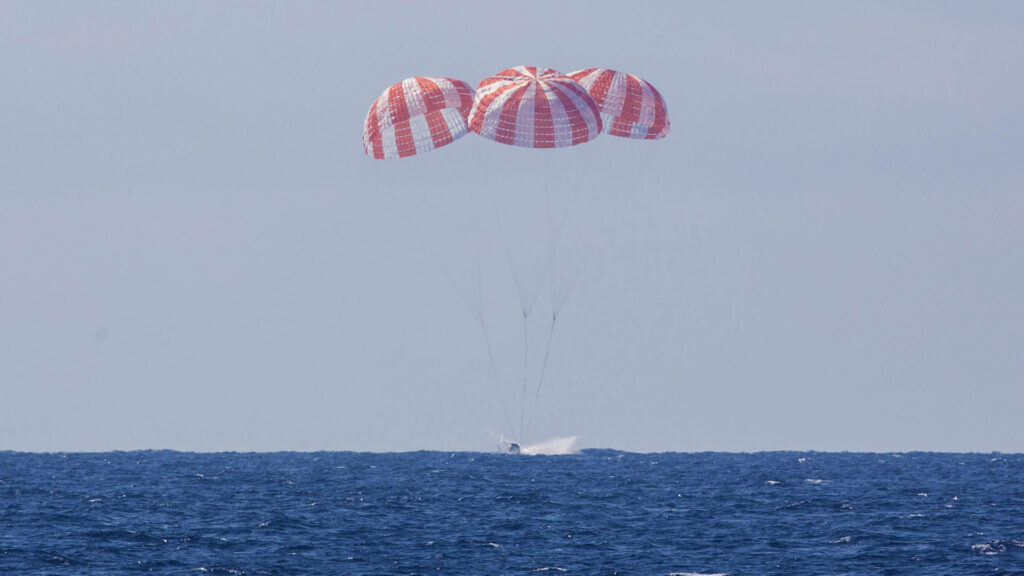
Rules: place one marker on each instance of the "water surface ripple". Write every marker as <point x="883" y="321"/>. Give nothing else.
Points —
<point x="599" y="512"/>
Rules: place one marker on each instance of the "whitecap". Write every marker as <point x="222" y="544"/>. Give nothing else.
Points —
<point x="997" y="546"/>
<point x="694" y="574"/>
<point x="842" y="540"/>
<point x="986" y="549"/>
<point x="772" y="482"/>
<point x="546" y="568"/>
<point x="494" y="545"/>
<point x="922" y="494"/>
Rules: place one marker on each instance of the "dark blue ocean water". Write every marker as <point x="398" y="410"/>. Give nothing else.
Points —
<point x="599" y="512"/>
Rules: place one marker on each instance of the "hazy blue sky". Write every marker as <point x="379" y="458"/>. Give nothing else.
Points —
<point x="826" y="253"/>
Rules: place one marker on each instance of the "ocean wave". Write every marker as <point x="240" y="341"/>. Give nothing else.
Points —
<point x="494" y="514"/>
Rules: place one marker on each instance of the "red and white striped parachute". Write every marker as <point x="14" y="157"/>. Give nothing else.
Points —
<point x="630" y="106"/>
<point x="417" y="115"/>
<point x="535" y="108"/>
<point x="522" y="106"/>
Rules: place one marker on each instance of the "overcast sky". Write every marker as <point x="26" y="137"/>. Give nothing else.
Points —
<point x="827" y="252"/>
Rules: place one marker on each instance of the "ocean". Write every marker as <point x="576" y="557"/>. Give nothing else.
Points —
<point x="597" y="512"/>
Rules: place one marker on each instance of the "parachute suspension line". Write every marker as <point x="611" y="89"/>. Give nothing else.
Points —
<point x="559" y="296"/>
<point x="543" y="367"/>
<point x="558" y="299"/>
<point x="526" y="301"/>
<point x="547" y="353"/>
<point x="546" y="273"/>
<point x="475" y="312"/>
<point x="555" y="307"/>
<point x="511" y="263"/>
<point x="526" y="350"/>
<point x="490" y="350"/>
<point x="494" y="377"/>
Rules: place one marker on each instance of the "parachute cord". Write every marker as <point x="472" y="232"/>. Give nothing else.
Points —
<point x="433" y="256"/>
<point x="475" y="312"/>
<point x="544" y="366"/>
<point x="494" y="374"/>
<point x="526" y="350"/>
<point x="547" y="353"/>
<point x="526" y="303"/>
<point x="515" y="280"/>
<point x="557" y="302"/>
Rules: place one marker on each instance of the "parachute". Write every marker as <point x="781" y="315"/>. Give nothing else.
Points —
<point x="527" y="107"/>
<point x="630" y="106"/>
<point x="534" y="108"/>
<point x="416" y="115"/>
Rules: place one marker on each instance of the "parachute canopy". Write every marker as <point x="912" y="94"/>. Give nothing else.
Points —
<point x="417" y="115"/>
<point x="534" y="108"/>
<point x="630" y="106"/>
